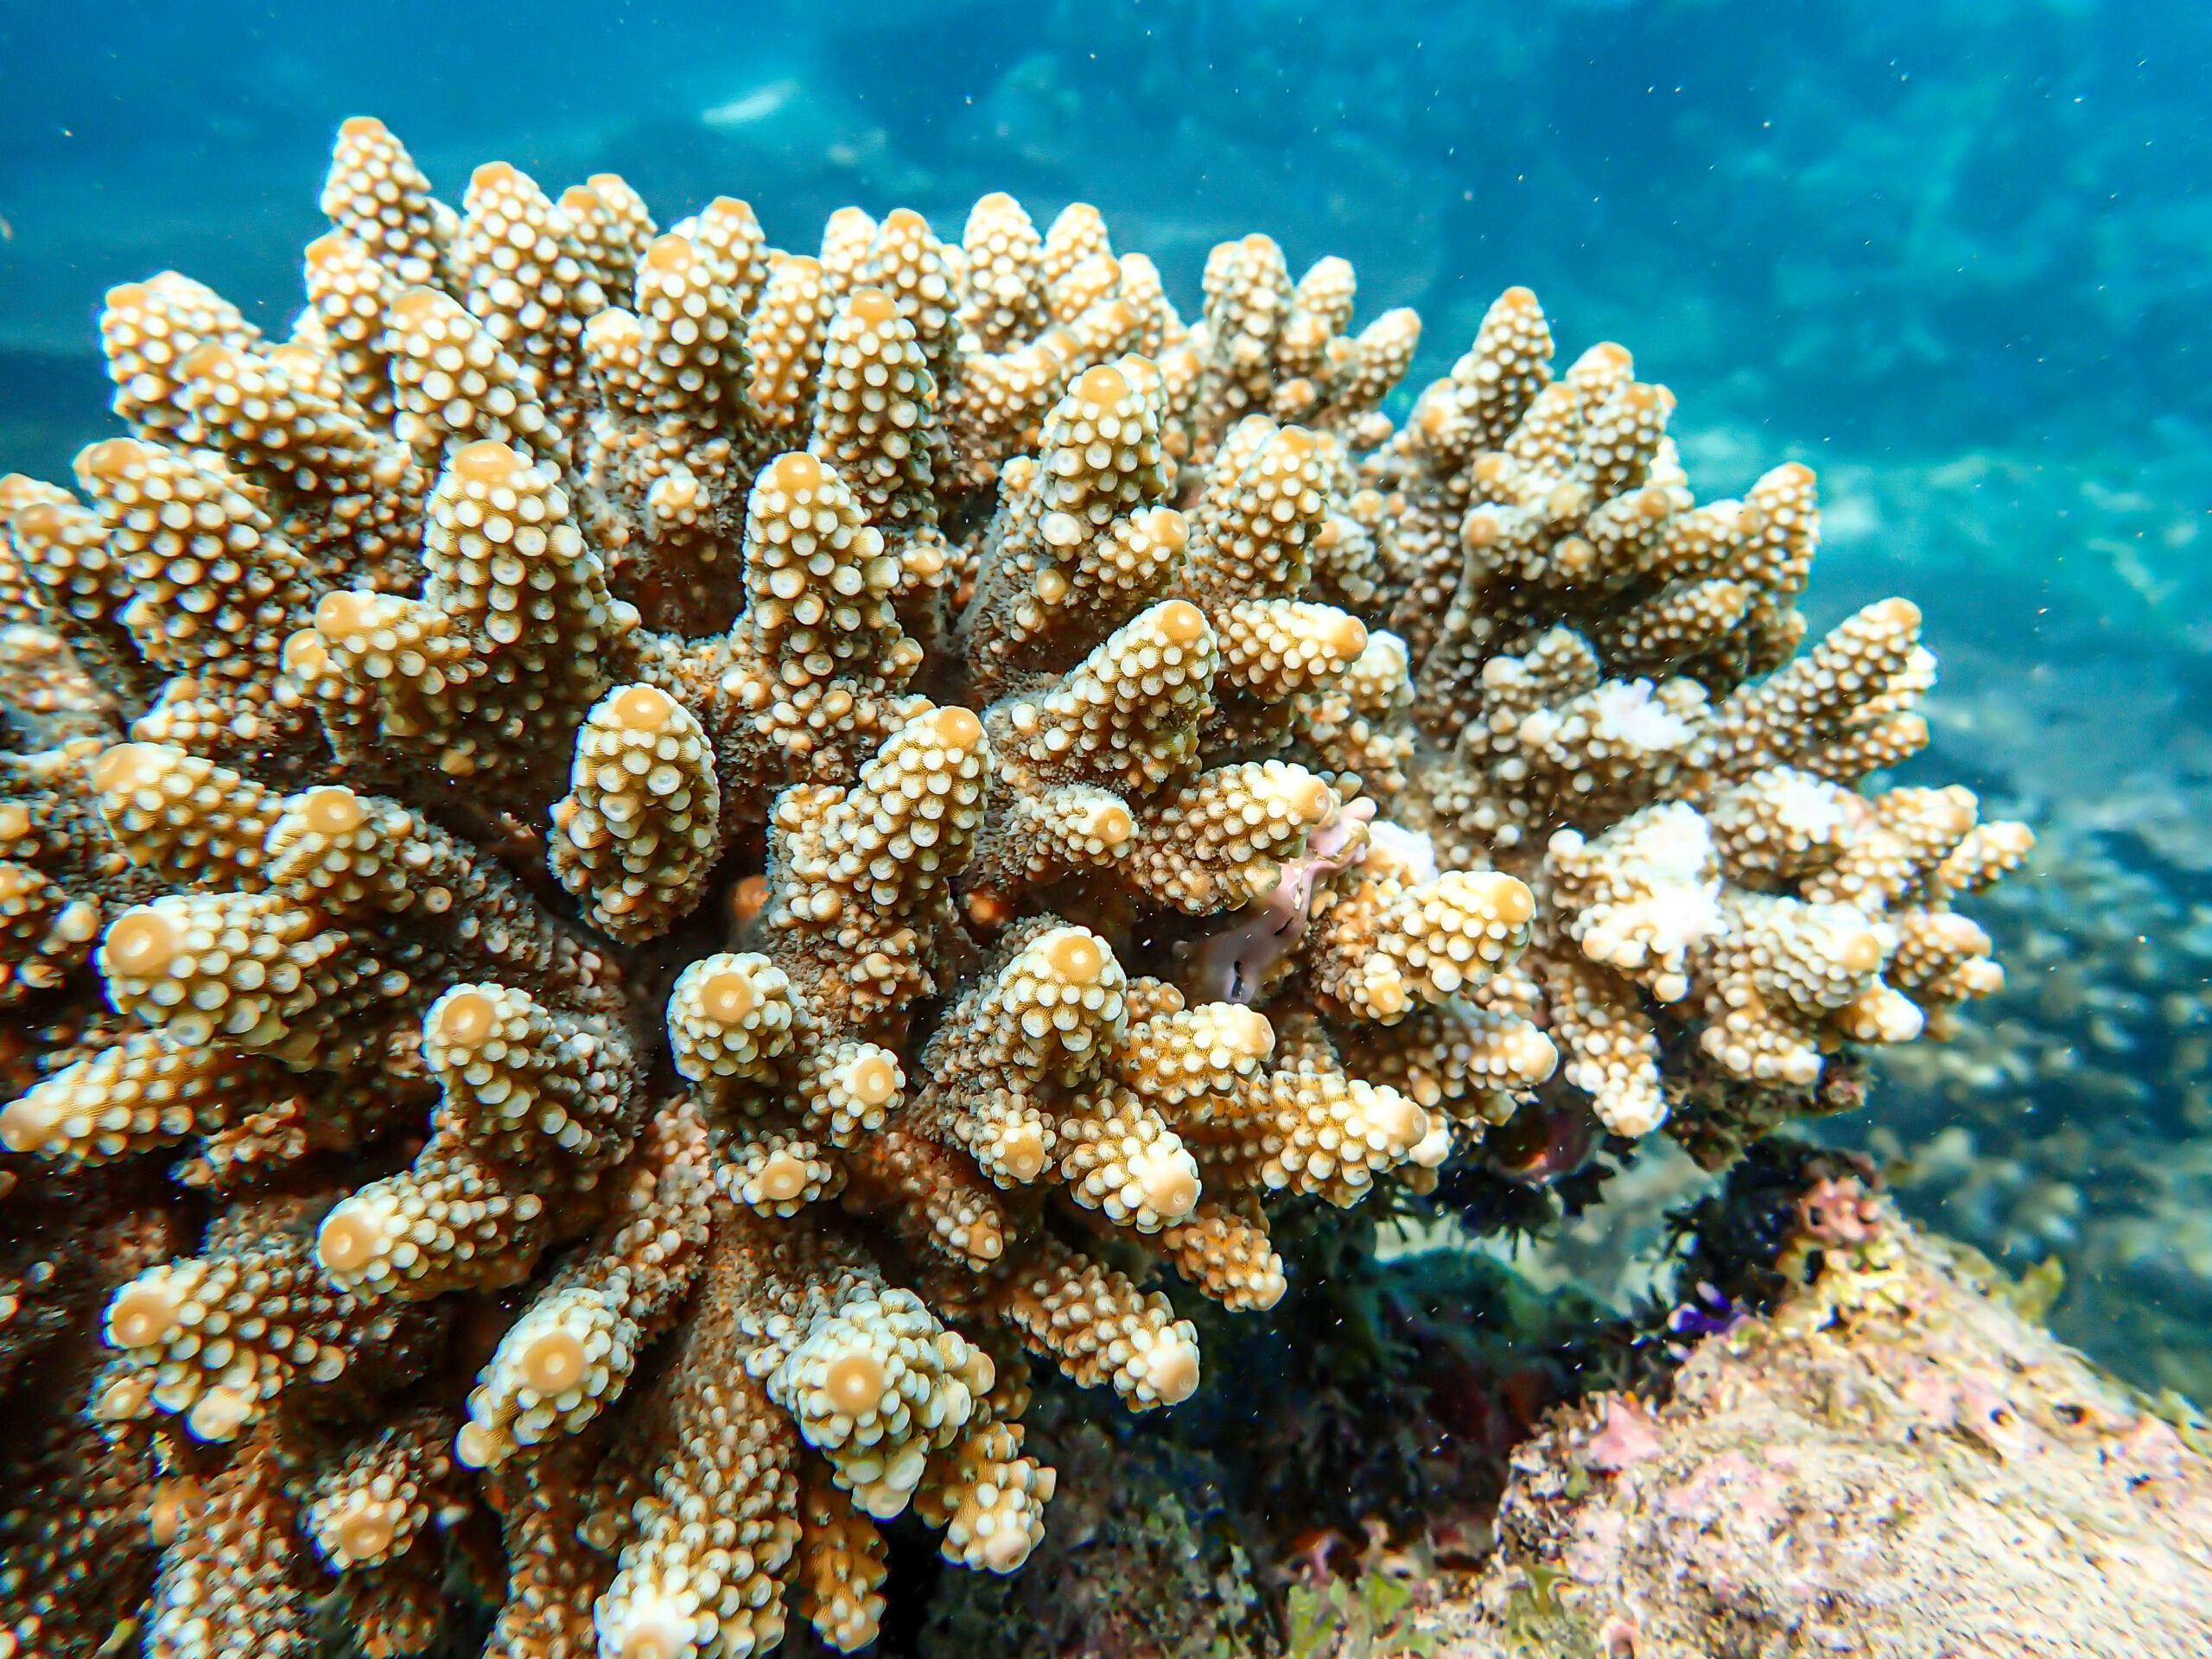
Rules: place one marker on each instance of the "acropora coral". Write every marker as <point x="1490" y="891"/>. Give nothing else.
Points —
<point x="690" y="853"/>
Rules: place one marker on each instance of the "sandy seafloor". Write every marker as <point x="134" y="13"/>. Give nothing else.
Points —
<point x="1950" y="253"/>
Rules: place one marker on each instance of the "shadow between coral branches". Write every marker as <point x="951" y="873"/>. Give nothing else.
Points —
<point x="1368" y="1422"/>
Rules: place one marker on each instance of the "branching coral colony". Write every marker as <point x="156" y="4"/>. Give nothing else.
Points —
<point x="698" y="848"/>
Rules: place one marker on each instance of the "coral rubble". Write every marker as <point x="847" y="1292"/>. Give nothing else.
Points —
<point x="697" y="851"/>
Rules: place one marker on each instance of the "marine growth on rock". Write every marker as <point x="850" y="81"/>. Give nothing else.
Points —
<point x="637" y="867"/>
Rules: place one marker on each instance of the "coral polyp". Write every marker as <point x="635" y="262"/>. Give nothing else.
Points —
<point x="641" y="866"/>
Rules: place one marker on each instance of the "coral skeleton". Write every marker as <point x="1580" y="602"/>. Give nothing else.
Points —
<point x="637" y="868"/>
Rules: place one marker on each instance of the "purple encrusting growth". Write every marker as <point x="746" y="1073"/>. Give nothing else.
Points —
<point x="1233" y="963"/>
<point x="1708" y="1312"/>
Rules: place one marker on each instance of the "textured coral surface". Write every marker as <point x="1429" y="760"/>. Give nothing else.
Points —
<point x="634" y="866"/>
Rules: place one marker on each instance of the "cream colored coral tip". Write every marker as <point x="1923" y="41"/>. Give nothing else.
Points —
<point x="129" y="766"/>
<point x="41" y="522"/>
<point x="333" y="811"/>
<point x="347" y="1240"/>
<point x="956" y="728"/>
<point x="16" y="881"/>
<point x="1608" y="354"/>
<point x="342" y="612"/>
<point x="475" y="1445"/>
<point x="1074" y="956"/>
<point x="873" y="1079"/>
<point x="1022" y="1149"/>
<point x="208" y="358"/>
<point x="554" y="1363"/>
<point x="856" y="1381"/>
<point x="783" y="1175"/>
<point x="670" y="253"/>
<point x="174" y="1502"/>
<point x="305" y="654"/>
<point x="1113" y="823"/>
<point x="416" y="304"/>
<point x="23" y="1127"/>
<point x="126" y="295"/>
<point x="111" y="457"/>
<point x="614" y="330"/>
<point x="492" y="175"/>
<point x="1507" y="897"/>
<point x="643" y="708"/>
<point x="1947" y="928"/>
<point x="219" y="1412"/>
<point x="1102" y="385"/>
<point x="1895" y="611"/>
<point x="1246" y="1030"/>
<point x="1395" y="1114"/>
<point x="728" y="996"/>
<point x="872" y="305"/>
<point x="1305" y="795"/>
<point x="1347" y="635"/>
<point x="1859" y="951"/>
<point x="1387" y="996"/>
<point x="1006" y="1549"/>
<point x="796" y="473"/>
<point x="1480" y="528"/>
<point x="1172" y="1368"/>
<point x="982" y="1371"/>
<point x="650" y="1627"/>
<point x="1180" y="620"/>
<point x="367" y="1531"/>
<point x="141" y="1314"/>
<point x="142" y="941"/>
<point x="1535" y="1056"/>
<point x="1170" y="1180"/>
<point x="299" y="361"/>
<point x="579" y="200"/>
<point x="466" y="1018"/>
<point x="361" y="126"/>
<point x="487" y="462"/>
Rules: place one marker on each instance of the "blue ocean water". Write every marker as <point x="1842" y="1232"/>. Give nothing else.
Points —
<point x="1951" y="253"/>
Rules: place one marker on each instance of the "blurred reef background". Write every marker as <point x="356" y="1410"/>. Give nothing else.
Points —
<point x="1952" y="253"/>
